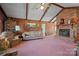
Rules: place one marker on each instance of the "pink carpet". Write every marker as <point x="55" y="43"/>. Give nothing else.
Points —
<point x="49" y="46"/>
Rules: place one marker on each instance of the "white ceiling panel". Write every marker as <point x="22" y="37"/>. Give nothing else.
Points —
<point x="53" y="10"/>
<point x="17" y="10"/>
<point x="34" y="11"/>
<point x="68" y="4"/>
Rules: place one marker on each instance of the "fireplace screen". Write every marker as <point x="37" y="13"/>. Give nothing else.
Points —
<point x="64" y="32"/>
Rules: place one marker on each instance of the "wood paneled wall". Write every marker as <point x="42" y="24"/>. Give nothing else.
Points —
<point x="22" y="23"/>
<point x="2" y="19"/>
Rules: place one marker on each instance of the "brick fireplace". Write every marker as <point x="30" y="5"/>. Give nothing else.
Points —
<point x="66" y="31"/>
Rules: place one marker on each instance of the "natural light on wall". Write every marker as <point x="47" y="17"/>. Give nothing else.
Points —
<point x="54" y="19"/>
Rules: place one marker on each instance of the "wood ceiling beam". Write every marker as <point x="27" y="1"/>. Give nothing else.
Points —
<point x="57" y="5"/>
<point x="56" y="15"/>
<point x="30" y="20"/>
<point x="44" y="13"/>
<point x="26" y="10"/>
<point x="72" y="7"/>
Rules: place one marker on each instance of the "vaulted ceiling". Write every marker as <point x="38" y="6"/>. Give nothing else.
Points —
<point x="31" y="11"/>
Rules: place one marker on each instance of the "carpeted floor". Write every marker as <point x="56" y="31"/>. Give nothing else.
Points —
<point x="49" y="46"/>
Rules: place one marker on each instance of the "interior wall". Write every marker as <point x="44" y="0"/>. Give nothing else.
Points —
<point x="2" y="17"/>
<point x="68" y="13"/>
<point x="77" y="39"/>
<point x="22" y="23"/>
<point x="49" y="26"/>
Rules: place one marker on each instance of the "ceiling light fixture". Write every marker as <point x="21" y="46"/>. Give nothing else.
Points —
<point x="42" y="6"/>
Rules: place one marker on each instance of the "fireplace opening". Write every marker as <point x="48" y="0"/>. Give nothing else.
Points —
<point x="64" y="32"/>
